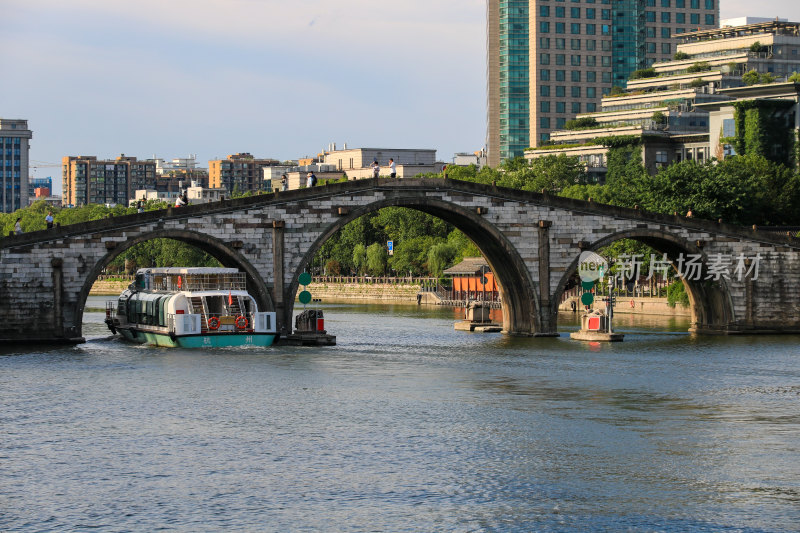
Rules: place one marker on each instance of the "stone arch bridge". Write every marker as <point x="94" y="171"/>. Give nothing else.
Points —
<point x="531" y="241"/>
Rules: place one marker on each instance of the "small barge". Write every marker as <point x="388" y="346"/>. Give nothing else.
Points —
<point x="190" y="308"/>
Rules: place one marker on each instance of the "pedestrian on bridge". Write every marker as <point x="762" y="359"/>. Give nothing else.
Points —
<point x="18" y="226"/>
<point x="376" y="169"/>
<point x="49" y="219"/>
<point x="392" y="168"/>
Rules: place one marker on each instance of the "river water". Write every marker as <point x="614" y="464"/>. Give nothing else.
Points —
<point x="405" y="425"/>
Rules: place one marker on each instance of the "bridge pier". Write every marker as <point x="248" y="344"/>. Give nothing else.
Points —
<point x="547" y="325"/>
<point x="279" y="296"/>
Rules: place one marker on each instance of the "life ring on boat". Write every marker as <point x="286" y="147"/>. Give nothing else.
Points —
<point x="241" y="322"/>
<point x="213" y="323"/>
<point x="633" y="304"/>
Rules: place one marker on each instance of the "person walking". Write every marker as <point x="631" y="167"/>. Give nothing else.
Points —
<point x="284" y="183"/>
<point x="18" y="226"/>
<point x="376" y="169"/>
<point x="139" y="207"/>
<point x="392" y="168"/>
<point x="49" y="219"/>
<point x="311" y="180"/>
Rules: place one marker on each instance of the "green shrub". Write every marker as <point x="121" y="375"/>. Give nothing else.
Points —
<point x="700" y="66"/>
<point x="648" y="72"/>
<point x="581" y="123"/>
<point x="680" y="55"/>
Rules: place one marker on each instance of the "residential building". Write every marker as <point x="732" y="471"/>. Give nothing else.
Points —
<point x="238" y="173"/>
<point x="87" y="180"/>
<point x="197" y="194"/>
<point x="145" y="195"/>
<point x="549" y="60"/>
<point x="14" y="164"/>
<point x="464" y="159"/>
<point x="183" y="168"/>
<point x="670" y="109"/>
<point x="359" y="158"/>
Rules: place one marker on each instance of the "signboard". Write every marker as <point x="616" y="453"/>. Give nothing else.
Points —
<point x="591" y="266"/>
<point x="593" y="323"/>
<point x="390" y="247"/>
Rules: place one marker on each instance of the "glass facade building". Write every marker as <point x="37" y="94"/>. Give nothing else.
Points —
<point x="514" y="78"/>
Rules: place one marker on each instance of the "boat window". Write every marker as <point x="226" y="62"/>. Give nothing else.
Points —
<point x="162" y="310"/>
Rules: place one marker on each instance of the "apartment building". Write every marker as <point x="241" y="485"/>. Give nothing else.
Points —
<point x="87" y="180"/>
<point x="239" y="172"/>
<point x="359" y="158"/>
<point x="669" y="107"/>
<point x="550" y="60"/>
<point x="14" y="164"/>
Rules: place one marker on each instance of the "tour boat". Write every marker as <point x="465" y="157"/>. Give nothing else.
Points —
<point x="190" y="308"/>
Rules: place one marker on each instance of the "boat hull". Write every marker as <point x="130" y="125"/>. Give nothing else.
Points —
<point x="216" y="340"/>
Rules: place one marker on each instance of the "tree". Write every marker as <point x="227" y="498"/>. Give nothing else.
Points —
<point x="659" y="118"/>
<point x="751" y="77"/>
<point x="767" y="77"/>
<point x="412" y="255"/>
<point x="549" y="172"/>
<point x="795" y="77"/>
<point x="376" y="259"/>
<point x="400" y="224"/>
<point x="697" y="83"/>
<point x="680" y="56"/>
<point x="463" y="245"/>
<point x="440" y="257"/>
<point x="359" y="258"/>
<point x="626" y="174"/>
<point x="333" y="268"/>
<point x="757" y="47"/>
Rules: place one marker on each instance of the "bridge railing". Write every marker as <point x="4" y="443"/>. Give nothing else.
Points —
<point x="385" y="280"/>
<point x="643" y="288"/>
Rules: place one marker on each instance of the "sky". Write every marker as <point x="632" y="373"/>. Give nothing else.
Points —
<point x="275" y="78"/>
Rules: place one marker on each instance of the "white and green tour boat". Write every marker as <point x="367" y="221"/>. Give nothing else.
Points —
<point x="190" y="308"/>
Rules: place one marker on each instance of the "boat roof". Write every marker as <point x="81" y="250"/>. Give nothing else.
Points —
<point x="188" y="270"/>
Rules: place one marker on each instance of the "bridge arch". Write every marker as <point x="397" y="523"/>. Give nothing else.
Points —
<point x="520" y="300"/>
<point x="212" y="246"/>
<point x="711" y="303"/>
